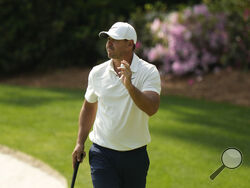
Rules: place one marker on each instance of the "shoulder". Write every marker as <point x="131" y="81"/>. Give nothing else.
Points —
<point x="99" y="69"/>
<point x="150" y="76"/>
<point x="146" y="67"/>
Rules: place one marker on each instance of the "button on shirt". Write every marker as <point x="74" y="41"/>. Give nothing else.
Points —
<point x="119" y="123"/>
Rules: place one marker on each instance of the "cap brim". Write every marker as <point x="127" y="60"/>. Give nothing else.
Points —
<point x="106" y="34"/>
<point x="103" y="34"/>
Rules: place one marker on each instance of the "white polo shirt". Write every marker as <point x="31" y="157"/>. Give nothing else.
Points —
<point x="119" y="123"/>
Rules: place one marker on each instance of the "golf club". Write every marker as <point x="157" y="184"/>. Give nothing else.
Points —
<point x="75" y="172"/>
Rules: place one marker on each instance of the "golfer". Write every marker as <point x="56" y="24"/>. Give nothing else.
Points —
<point x="122" y="94"/>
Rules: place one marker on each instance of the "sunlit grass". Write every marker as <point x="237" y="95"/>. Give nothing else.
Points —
<point x="188" y="136"/>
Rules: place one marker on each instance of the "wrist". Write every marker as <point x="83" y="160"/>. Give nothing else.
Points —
<point x="79" y="144"/>
<point x="130" y="87"/>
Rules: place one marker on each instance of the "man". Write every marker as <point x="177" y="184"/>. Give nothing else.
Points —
<point x="122" y="93"/>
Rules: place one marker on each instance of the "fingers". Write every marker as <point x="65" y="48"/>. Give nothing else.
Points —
<point x="74" y="159"/>
<point x="125" y="63"/>
<point x="80" y="156"/>
<point x="124" y="69"/>
<point x="77" y="156"/>
<point x="125" y="74"/>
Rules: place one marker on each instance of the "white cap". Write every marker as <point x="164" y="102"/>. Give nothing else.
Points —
<point x="120" y="31"/>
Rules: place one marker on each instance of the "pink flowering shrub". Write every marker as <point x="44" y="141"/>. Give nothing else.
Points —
<point x="190" y="41"/>
<point x="238" y="27"/>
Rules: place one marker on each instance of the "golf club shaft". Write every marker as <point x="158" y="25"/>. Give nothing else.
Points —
<point x="75" y="172"/>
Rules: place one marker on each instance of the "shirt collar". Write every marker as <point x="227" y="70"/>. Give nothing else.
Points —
<point x="111" y="66"/>
<point x="134" y="64"/>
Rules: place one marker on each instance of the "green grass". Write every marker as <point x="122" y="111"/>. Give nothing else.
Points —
<point x="188" y="136"/>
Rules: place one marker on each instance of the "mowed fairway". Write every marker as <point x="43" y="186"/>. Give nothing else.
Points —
<point x="188" y="136"/>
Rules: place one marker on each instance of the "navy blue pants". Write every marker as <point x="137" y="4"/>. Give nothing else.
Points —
<point x="118" y="169"/>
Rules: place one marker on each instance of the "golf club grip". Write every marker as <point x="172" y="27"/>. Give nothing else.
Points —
<point x="75" y="172"/>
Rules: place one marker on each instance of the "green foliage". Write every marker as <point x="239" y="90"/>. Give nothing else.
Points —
<point x="188" y="136"/>
<point x="37" y="34"/>
<point x="141" y="19"/>
<point x="42" y="34"/>
<point x="238" y="14"/>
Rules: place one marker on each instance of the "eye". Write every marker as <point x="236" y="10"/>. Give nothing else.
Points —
<point x="110" y="39"/>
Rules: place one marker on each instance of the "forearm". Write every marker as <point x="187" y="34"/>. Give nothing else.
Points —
<point x="147" y="101"/>
<point x="86" y="120"/>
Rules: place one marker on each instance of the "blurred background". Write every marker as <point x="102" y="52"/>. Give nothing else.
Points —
<point x="184" y="39"/>
<point x="181" y="37"/>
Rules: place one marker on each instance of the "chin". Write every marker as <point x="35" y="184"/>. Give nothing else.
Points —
<point x="109" y="55"/>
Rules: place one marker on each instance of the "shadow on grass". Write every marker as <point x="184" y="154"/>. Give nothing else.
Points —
<point x="214" y="125"/>
<point x="32" y="97"/>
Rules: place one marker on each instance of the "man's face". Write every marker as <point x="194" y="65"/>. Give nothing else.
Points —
<point x="117" y="49"/>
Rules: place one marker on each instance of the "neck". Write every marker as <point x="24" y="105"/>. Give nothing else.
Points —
<point x="117" y="62"/>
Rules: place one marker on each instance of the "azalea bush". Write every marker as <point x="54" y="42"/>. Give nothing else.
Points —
<point x="238" y="27"/>
<point x="192" y="40"/>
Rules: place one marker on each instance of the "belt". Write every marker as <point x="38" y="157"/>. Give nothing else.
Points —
<point x="143" y="148"/>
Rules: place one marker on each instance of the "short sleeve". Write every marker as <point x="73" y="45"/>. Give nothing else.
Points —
<point x="90" y="95"/>
<point x="152" y="81"/>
